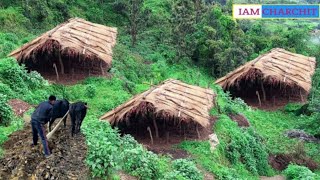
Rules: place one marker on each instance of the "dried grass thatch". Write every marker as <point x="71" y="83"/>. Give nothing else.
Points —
<point x="277" y="66"/>
<point x="170" y="100"/>
<point x="72" y="38"/>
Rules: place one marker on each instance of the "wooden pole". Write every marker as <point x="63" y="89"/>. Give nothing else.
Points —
<point x="301" y="96"/>
<point x="155" y="127"/>
<point x="167" y="136"/>
<point x="199" y="137"/>
<point x="101" y="67"/>
<point x="257" y="93"/>
<point x="69" y="64"/>
<point x="72" y="73"/>
<point x="184" y="132"/>
<point x="61" y="63"/>
<point x="50" y="134"/>
<point x="56" y="69"/>
<point x="274" y="100"/>
<point x="150" y="133"/>
<point x="263" y="91"/>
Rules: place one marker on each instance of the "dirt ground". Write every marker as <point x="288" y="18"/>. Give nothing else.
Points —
<point x="269" y="105"/>
<point x="19" y="107"/>
<point x="67" y="79"/>
<point x="278" y="177"/>
<point x="20" y="161"/>
<point x="240" y="119"/>
<point x="281" y="161"/>
<point x="168" y="146"/>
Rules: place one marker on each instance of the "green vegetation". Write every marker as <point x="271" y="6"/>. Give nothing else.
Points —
<point x="108" y="152"/>
<point x="295" y="172"/>
<point x="192" y="41"/>
<point x="235" y="144"/>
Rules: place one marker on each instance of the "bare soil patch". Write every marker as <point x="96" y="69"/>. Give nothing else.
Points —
<point x="19" y="107"/>
<point x="269" y="105"/>
<point x="68" y="79"/>
<point x="168" y="146"/>
<point x="281" y="161"/>
<point x="240" y="119"/>
<point x="277" y="177"/>
<point x="20" y="161"/>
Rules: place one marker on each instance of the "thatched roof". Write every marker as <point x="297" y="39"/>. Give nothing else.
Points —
<point x="173" y="99"/>
<point x="74" y="37"/>
<point x="276" y="66"/>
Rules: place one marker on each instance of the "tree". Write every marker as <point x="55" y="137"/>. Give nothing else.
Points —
<point x="133" y="10"/>
<point x="222" y="44"/>
<point x="186" y="15"/>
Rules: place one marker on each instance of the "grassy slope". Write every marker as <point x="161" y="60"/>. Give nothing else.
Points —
<point x="111" y="92"/>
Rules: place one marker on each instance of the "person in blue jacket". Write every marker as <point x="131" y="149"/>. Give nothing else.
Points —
<point x="39" y="118"/>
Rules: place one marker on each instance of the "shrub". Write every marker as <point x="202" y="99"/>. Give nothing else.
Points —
<point x="103" y="148"/>
<point x="247" y="147"/>
<point x="138" y="161"/>
<point x="295" y="172"/>
<point x="90" y="91"/>
<point x="17" y="78"/>
<point x="5" y="89"/>
<point x="187" y="169"/>
<point x="292" y="107"/>
<point x="236" y="106"/>
<point x="15" y="82"/>
<point x="6" y="112"/>
<point x="243" y="146"/>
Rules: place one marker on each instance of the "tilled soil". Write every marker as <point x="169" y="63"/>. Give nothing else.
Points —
<point x="19" y="107"/>
<point x="20" y="161"/>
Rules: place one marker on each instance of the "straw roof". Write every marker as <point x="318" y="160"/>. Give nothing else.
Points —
<point x="276" y="66"/>
<point x="74" y="37"/>
<point x="174" y="98"/>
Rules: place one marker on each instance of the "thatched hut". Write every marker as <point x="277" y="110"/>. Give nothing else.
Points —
<point x="277" y="77"/>
<point x="172" y="106"/>
<point x="75" y="46"/>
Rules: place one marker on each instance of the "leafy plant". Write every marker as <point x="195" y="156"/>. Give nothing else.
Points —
<point x="138" y="161"/>
<point x="90" y="91"/>
<point x="6" y="113"/>
<point x="187" y="169"/>
<point x="295" y="172"/>
<point x="103" y="149"/>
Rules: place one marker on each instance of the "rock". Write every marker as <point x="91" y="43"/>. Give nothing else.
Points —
<point x="47" y="176"/>
<point x="214" y="141"/>
<point x="300" y="134"/>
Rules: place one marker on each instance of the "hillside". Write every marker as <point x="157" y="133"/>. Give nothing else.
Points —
<point x="195" y="42"/>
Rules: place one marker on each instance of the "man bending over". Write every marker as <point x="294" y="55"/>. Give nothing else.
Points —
<point x="39" y="118"/>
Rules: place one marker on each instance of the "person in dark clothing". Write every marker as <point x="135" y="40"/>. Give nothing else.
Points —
<point x="39" y="118"/>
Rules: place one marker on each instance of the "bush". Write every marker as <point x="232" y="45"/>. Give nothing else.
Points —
<point x="243" y="146"/>
<point x="187" y="169"/>
<point x="232" y="106"/>
<point x="6" y="113"/>
<point x="292" y="107"/>
<point x="138" y="161"/>
<point x="17" y="83"/>
<point x="103" y="148"/>
<point x="5" y="89"/>
<point x="295" y="172"/>
<point x="247" y="147"/>
<point x="90" y="91"/>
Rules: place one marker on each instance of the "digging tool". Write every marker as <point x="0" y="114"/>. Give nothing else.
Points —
<point x="49" y="135"/>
